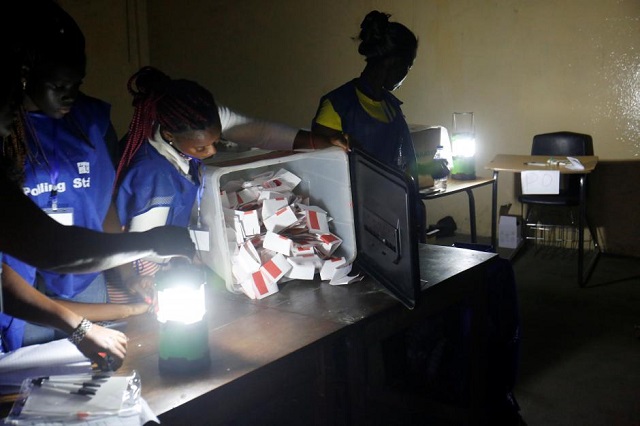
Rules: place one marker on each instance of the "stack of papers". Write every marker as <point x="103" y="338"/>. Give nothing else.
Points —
<point x="278" y="235"/>
<point x="57" y="357"/>
<point x="81" y="400"/>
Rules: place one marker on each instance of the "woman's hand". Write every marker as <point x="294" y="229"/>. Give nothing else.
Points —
<point x="104" y="346"/>
<point x="341" y="140"/>
<point x="321" y="140"/>
<point x="143" y="285"/>
<point x="139" y="308"/>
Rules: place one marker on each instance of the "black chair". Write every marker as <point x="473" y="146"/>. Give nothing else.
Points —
<point x="552" y="218"/>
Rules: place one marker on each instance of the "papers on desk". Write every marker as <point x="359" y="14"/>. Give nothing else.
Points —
<point x="57" y="357"/>
<point x="574" y="164"/>
<point x="81" y="400"/>
<point x="547" y="181"/>
<point x="430" y="191"/>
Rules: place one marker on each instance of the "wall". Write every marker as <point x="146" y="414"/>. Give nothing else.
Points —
<point x="613" y="206"/>
<point x="522" y="66"/>
<point x="115" y="33"/>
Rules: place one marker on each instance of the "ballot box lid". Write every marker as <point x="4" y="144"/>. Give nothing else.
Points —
<point x="385" y="206"/>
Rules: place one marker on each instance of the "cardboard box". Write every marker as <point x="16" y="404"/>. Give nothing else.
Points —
<point x="510" y="231"/>
<point x="325" y="180"/>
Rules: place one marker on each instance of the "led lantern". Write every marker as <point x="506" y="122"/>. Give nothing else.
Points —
<point x="463" y="146"/>
<point x="183" y="338"/>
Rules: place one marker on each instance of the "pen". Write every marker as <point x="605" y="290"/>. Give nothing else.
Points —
<point x="535" y="163"/>
<point x="83" y="384"/>
<point x="68" y="389"/>
<point x="76" y="377"/>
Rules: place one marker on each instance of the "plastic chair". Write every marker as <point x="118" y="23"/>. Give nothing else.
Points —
<point x="552" y="218"/>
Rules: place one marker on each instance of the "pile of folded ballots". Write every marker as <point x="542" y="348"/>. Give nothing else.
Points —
<point x="279" y="235"/>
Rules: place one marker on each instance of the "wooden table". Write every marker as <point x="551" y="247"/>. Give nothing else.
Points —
<point x="455" y="186"/>
<point x="521" y="163"/>
<point x="308" y="349"/>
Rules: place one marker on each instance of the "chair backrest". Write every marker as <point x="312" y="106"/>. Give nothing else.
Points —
<point x="562" y="143"/>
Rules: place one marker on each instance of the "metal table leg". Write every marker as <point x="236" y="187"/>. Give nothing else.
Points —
<point x="472" y="215"/>
<point x="585" y="273"/>
<point x="581" y="219"/>
<point x="494" y="211"/>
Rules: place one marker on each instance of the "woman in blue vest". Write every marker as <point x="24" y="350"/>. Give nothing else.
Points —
<point x="29" y="234"/>
<point x="364" y="108"/>
<point x="61" y="162"/>
<point x="177" y="124"/>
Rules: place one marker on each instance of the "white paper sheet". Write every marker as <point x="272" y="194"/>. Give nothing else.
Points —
<point x="57" y="357"/>
<point x="540" y="181"/>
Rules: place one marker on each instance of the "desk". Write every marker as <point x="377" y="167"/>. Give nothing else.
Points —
<point x="518" y="164"/>
<point x="453" y="187"/>
<point x="269" y="355"/>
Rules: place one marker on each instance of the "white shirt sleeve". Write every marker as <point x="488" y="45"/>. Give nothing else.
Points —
<point x="250" y="132"/>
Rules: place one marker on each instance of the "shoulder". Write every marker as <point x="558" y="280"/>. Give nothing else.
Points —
<point x="148" y="163"/>
<point x="90" y="112"/>
<point x="343" y="98"/>
<point x="347" y="89"/>
<point x="91" y="104"/>
<point x="147" y="178"/>
<point x="391" y="99"/>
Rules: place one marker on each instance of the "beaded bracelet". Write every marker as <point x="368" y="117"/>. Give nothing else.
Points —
<point x="80" y="332"/>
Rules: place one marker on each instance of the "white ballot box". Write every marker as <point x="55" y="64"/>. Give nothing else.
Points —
<point x="323" y="179"/>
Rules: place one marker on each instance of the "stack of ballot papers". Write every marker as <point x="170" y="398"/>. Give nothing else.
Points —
<point x="279" y="235"/>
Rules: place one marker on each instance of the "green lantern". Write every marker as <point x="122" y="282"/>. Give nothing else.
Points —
<point x="463" y="146"/>
<point x="183" y="337"/>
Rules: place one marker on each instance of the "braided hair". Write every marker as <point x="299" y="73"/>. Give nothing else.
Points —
<point x="13" y="150"/>
<point x="380" y="38"/>
<point x="160" y="101"/>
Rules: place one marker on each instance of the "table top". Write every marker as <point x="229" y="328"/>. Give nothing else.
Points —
<point x="246" y="335"/>
<point x="454" y="186"/>
<point x="518" y="163"/>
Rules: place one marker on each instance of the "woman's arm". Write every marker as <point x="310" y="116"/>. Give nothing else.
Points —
<point x="320" y="140"/>
<point x="251" y="132"/>
<point x="263" y="134"/>
<point x="29" y="234"/>
<point x="27" y="303"/>
<point x="105" y="311"/>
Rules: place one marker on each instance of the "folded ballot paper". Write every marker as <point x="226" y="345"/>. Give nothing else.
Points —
<point x="574" y="164"/>
<point x="81" y="399"/>
<point x="279" y="236"/>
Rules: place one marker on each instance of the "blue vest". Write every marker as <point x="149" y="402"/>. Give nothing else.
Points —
<point x="385" y="141"/>
<point x="151" y="181"/>
<point x="70" y="154"/>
